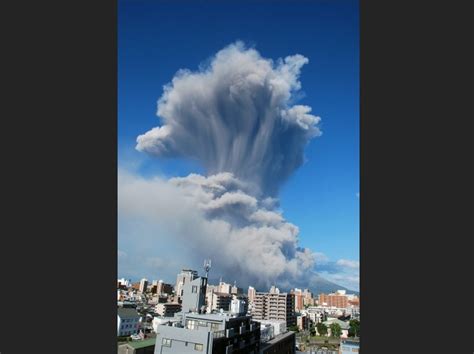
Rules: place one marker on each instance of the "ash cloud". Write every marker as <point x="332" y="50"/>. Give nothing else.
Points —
<point x="235" y="116"/>
<point x="214" y="217"/>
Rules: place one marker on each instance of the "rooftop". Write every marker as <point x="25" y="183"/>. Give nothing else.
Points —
<point x="125" y="312"/>
<point x="142" y="343"/>
<point x="278" y="338"/>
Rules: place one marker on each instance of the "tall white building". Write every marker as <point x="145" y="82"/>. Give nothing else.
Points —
<point x="143" y="285"/>
<point x="238" y="307"/>
<point x="186" y="276"/>
<point x="251" y="294"/>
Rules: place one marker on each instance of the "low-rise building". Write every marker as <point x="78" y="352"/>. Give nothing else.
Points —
<point x="146" y="346"/>
<point x="167" y="309"/>
<point x="343" y="324"/>
<point x="128" y="321"/>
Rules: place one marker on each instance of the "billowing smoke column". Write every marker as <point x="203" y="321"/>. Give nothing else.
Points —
<point x="235" y="116"/>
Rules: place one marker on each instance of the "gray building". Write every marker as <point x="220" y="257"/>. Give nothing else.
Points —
<point x="282" y="344"/>
<point x="186" y="276"/>
<point x="274" y="306"/>
<point x="210" y="333"/>
<point x="194" y="295"/>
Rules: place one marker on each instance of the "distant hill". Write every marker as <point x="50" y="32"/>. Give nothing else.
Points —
<point x="325" y="286"/>
<point x="321" y="285"/>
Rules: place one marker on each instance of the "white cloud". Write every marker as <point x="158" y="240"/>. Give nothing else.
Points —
<point x="348" y="263"/>
<point x="235" y="116"/>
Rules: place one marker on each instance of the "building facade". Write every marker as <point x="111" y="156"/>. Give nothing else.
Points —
<point x="194" y="295"/>
<point x="184" y="277"/>
<point x="210" y="333"/>
<point x="274" y="306"/>
<point x="128" y="321"/>
<point x="167" y="309"/>
<point x="338" y="300"/>
<point x="143" y="285"/>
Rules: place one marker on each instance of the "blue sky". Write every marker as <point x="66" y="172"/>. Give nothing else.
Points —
<point x="157" y="38"/>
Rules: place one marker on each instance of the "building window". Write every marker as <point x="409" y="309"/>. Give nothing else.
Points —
<point x="191" y="324"/>
<point x="198" y="347"/>
<point x="195" y="289"/>
<point x="166" y="342"/>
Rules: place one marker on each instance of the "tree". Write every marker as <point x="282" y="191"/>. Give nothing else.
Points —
<point x="312" y="330"/>
<point x="336" y="330"/>
<point x="354" y="328"/>
<point x="293" y="328"/>
<point x="322" y="329"/>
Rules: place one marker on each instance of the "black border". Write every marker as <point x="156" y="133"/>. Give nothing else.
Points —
<point x="59" y="239"/>
<point x="416" y="176"/>
<point x="58" y="252"/>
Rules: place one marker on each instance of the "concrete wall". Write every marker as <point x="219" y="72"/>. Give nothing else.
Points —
<point x="183" y="340"/>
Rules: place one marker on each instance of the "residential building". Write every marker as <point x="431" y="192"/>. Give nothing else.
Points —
<point x="124" y="282"/>
<point x="338" y="300"/>
<point x="308" y="298"/>
<point x="164" y="288"/>
<point x="143" y="285"/>
<point x="235" y="290"/>
<point x="184" y="277"/>
<point x="128" y="321"/>
<point x="218" y="301"/>
<point x="274" y="306"/>
<point x="299" y="305"/>
<point x="224" y="288"/>
<point x="251" y="294"/>
<point x="167" y="309"/>
<point x="238" y="307"/>
<point x="210" y="333"/>
<point x="194" y="295"/>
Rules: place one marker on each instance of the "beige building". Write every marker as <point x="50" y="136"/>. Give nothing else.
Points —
<point x="251" y="294"/>
<point x="167" y="309"/>
<point x="274" y="306"/>
<point x="216" y="300"/>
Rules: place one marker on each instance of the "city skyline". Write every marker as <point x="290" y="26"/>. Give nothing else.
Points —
<point x="317" y="199"/>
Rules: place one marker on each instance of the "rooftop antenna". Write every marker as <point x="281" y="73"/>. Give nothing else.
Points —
<point x="207" y="266"/>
